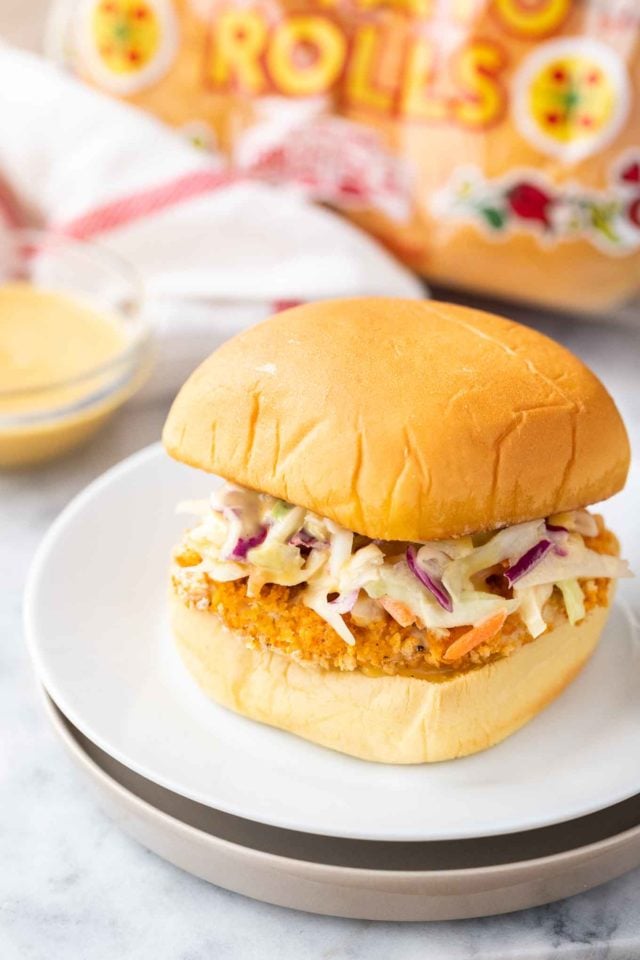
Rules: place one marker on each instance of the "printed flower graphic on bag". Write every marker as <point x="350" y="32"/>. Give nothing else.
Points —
<point x="530" y="202"/>
<point x="524" y="201"/>
<point x="127" y="43"/>
<point x="571" y="97"/>
<point x="127" y="34"/>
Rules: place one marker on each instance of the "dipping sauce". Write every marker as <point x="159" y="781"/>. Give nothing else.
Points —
<point x="48" y="337"/>
<point x="64" y="368"/>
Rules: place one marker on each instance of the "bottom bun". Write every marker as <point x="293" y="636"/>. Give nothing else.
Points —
<point x="389" y="719"/>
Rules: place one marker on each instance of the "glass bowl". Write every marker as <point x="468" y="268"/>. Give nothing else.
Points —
<point x="47" y="418"/>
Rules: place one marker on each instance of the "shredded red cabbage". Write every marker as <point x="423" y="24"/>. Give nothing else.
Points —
<point x="244" y="544"/>
<point x="344" y="603"/>
<point x="304" y="539"/>
<point x="558" y="540"/>
<point x="434" y="585"/>
<point x="527" y="561"/>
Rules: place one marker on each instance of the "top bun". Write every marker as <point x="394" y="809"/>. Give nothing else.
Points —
<point x="402" y="419"/>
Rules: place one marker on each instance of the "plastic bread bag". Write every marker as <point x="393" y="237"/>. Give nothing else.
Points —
<point x="492" y="145"/>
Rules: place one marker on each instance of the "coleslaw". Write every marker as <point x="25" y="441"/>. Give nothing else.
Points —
<point x="474" y="581"/>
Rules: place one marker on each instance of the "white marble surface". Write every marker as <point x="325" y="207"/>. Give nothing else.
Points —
<point x="72" y="887"/>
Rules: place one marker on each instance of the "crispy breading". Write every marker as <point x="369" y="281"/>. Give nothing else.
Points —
<point x="278" y="619"/>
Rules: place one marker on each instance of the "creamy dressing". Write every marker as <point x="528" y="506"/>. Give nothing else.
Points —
<point x="49" y="342"/>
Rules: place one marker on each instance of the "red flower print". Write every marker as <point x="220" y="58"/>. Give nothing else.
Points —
<point x="631" y="173"/>
<point x="529" y="202"/>
<point x="633" y="212"/>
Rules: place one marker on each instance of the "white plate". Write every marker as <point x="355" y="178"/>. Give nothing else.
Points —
<point x="95" y="612"/>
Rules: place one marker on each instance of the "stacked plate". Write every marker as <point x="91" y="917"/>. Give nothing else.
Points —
<point x="550" y="812"/>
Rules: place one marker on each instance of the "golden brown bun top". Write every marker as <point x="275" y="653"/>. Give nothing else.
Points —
<point x="402" y="419"/>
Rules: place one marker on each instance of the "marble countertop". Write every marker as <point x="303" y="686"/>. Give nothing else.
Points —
<point x="73" y="886"/>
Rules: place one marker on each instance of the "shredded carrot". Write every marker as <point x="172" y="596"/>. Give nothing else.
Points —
<point x="399" y="611"/>
<point x="473" y="638"/>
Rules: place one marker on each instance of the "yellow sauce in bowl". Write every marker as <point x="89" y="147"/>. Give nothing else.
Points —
<point x="47" y="337"/>
<point x="64" y="368"/>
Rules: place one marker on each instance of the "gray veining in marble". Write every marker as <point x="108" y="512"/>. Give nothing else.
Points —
<point x="73" y="887"/>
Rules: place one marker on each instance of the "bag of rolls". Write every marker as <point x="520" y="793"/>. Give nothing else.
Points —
<point x="493" y="145"/>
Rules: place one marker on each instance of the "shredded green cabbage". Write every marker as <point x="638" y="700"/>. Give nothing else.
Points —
<point x="573" y="599"/>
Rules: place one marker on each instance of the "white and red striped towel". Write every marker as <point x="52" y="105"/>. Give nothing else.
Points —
<point x="215" y="252"/>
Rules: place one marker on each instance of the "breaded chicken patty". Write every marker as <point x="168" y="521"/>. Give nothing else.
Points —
<point x="277" y="619"/>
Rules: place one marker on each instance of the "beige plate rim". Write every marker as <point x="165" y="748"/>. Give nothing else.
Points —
<point x="320" y="871"/>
